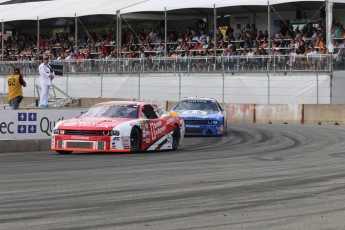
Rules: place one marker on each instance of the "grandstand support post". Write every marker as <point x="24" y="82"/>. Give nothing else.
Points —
<point x="215" y="29"/>
<point x="38" y="50"/>
<point x="329" y="21"/>
<point x="2" y="39"/>
<point x="165" y="32"/>
<point x="269" y="26"/>
<point x="329" y="17"/>
<point x="38" y="40"/>
<point x="117" y="34"/>
<point x="120" y="31"/>
<point x="76" y="34"/>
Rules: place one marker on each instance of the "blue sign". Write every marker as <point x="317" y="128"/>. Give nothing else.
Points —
<point x="21" y="128"/>
<point x="32" y="117"/>
<point x="31" y="128"/>
<point x="21" y="116"/>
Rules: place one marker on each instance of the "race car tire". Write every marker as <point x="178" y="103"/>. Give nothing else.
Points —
<point x="176" y="138"/>
<point x="63" y="152"/>
<point x="135" y="140"/>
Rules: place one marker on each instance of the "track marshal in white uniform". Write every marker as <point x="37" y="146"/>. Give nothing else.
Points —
<point x="46" y="77"/>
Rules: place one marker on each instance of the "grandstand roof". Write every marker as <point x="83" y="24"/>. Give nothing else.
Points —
<point x="67" y="8"/>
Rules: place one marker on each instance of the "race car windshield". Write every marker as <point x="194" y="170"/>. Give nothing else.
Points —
<point x="197" y="105"/>
<point x="112" y="111"/>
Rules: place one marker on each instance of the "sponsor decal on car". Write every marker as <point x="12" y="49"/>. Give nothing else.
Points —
<point x="126" y="142"/>
<point x="112" y="145"/>
<point x="170" y="120"/>
<point x="169" y="137"/>
<point x="115" y="138"/>
<point x="80" y="137"/>
<point x="156" y="129"/>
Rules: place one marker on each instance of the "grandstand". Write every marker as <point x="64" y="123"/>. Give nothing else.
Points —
<point x="285" y="52"/>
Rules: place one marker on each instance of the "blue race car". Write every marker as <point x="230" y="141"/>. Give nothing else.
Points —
<point x="202" y="116"/>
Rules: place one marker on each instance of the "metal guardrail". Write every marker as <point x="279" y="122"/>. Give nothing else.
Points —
<point x="219" y="64"/>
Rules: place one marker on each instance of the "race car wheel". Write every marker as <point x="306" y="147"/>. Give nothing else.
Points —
<point x="176" y="138"/>
<point x="63" y="152"/>
<point x="135" y="140"/>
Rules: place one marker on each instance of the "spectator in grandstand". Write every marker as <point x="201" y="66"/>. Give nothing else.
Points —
<point x="264" y="44"/>
<point x="335" y="32"/>
<point x="321" y="62"/>
<point x="319" y="26"/>
<point x="309" y="30"/>
<point x="15" y="84"/>
<point x="197" y="46"/>
<point x="46" y="77"/>
<point x="319" y="42"/>
<point x="237" y="32"/>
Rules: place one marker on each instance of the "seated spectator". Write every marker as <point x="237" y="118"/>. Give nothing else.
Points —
<point x="321" y="62"/>
<point x="132" y="54"/>
<point x="335" y="31"/>
<point x="197" y="46"/>
<point x="319" y="42"/>
<point x="320" y="27"/>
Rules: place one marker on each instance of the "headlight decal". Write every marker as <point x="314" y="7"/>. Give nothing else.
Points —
<point x="115" y="133"/>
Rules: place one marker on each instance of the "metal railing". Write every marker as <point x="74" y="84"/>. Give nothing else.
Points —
<point x="219" y="64"/>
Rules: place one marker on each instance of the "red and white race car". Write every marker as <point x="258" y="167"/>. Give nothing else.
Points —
<point x="119" y="126"/>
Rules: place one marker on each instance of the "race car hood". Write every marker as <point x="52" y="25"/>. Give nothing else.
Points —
<point x="92" y="123"/>
<point x="198" y="113"/>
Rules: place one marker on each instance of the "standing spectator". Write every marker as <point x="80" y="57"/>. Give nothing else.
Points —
<point x="237" y="32"/>
<point x="46" y="77"/>
<point x="15" y="93"/>
<point x="260" y="36"/>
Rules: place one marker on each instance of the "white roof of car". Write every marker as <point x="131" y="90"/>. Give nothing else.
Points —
<point x="198" y="98"/>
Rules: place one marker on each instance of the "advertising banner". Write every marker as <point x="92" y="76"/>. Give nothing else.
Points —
<point x="32" y="124"/>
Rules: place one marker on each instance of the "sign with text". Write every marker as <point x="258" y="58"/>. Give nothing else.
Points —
<point x="32" y="124"/>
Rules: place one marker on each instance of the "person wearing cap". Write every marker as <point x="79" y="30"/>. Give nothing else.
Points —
<point x="15" y="84"/>
<point x="46" y="77"/>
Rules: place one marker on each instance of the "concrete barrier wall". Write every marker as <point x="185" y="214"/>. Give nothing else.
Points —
<point x="251" y="113"/>
<point x="240" y="112"/>
<point x="281" y="114"/>
<point x="324" y="114"/>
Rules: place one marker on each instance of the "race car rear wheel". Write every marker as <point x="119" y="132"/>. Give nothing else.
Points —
<point x="135" y="140"/>
<point x="176" y="138"/>
<point x="63" y="152"/>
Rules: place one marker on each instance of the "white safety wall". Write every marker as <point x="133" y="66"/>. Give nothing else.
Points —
<point x="253" y="89"/>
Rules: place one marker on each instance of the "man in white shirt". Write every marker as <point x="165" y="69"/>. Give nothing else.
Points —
<point x="46" y="77"/>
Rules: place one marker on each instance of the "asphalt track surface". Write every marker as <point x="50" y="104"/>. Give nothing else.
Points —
<point x="255" y="177"/>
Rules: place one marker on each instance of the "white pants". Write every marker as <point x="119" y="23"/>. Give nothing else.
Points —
<point x="44" y="95"/>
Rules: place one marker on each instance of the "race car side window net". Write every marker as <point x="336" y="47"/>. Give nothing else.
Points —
<point x="149" y="112"/>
